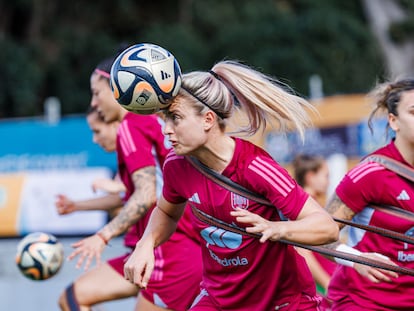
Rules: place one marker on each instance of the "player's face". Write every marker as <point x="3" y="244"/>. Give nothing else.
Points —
<point x="403" y="124"/>
<point x="103" y="134"/>
<point x="185" y="128"/>
<point x="103" y="98"/>
<point x="319" y="180"/>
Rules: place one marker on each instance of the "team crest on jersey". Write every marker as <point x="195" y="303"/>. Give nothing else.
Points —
<point x="238" y="201"/>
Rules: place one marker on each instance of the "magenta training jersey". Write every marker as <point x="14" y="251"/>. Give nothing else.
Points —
<point x="239" y="272"/>
<point x="371" y="183"/>
<point x="140" y="143"/>
<point x="176" y="278"/>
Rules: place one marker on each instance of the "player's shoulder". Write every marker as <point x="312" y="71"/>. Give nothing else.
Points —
<point x="139" y="119"/>
<point x="133" y="122"/>
<point x="255" y="160"/>
<point x="174" y="160"/>
<point x="249" y="153"/>
<point x="366" y="169"/>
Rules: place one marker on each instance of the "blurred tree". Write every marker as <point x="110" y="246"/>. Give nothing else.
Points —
<point x="392" y="23"/>
<point x="50" y="47"/>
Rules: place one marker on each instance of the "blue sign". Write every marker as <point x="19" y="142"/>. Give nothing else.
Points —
<point x="33" y="144"/>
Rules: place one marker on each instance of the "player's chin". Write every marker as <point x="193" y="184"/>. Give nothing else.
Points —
<point x="178" y="150"/>
<point x="183" y="151"/>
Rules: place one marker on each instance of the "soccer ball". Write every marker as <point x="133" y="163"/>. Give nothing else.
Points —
<point x="39" y="256"/>
<point x="145" y="78"/>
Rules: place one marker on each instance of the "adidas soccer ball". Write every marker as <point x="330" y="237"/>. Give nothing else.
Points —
<point x="144" y="78"/>
<point x="39" y="256"/>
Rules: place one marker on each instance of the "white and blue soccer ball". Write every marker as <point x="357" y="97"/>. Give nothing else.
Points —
<point x="39" y="256"/>
<point x="145" y="78"/>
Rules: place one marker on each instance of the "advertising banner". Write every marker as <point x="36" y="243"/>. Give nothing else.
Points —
<point x="39" y="160"/>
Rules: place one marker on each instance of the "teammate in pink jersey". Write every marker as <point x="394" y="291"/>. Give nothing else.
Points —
<point x="239" y="272"/>
<point x="312" y="173"/>
<point x="356" y="287"/>
<point x="104" y="134"/>
<point x="141" y="151"/>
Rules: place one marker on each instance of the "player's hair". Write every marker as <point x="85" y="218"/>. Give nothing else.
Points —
<point x="230" y="85"/>
<point x="305" y="163"/>
<point x="103" y="69"/>
<point x="93" y="112"/>
<point x="387" y="95"/>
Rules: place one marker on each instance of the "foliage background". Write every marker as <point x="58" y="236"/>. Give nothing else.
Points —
<point x="50" y="47"/>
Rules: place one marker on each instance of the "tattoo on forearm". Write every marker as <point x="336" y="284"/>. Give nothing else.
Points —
<point x="334" y="204"/>
<point x="141" y="200"/>
<point x="338" y="209"/>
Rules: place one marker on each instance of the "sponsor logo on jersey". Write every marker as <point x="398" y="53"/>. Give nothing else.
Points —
<point x="403" y="196"/>
<point x="224" y="239"/>
<point x="238" y="201"/>
<point x="195" y="198"/>
<point x="229" y="262"/>
<point x="221" y="238"/>
<point x="404" y="257"/>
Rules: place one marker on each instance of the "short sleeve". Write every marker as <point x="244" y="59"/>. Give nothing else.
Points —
<point x="136" y="147"/>
<point x="360" y="186"/>
<point x="173" y="181"/>
<point x="272" y="181"/>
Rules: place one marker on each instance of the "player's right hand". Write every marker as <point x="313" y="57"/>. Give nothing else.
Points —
<point x="64" y="205"/>
<point x="88" y="249"/>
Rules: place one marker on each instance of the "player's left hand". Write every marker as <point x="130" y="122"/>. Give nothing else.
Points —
<point x="108" y="185"/>
<point x="269" y="230"/>
<point x="88" y="249"/>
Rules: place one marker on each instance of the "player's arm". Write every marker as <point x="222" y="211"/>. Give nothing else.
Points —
<point x="162" y="224"/>
<point x="319" y="274"/>
<point x="338" y="209"/>
<point x="108" y="185"/>
<point x="142" y="199"/>
<point x="313" y="226"/>
<point x="65" y="205"/>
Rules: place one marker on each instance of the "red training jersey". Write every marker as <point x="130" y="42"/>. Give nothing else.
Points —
<point x="371" y="183"/>
<point x="239" y="272"/>
<point x="140" y="143"/>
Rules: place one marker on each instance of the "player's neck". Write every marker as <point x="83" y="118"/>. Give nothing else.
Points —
<point x="218" y="153"/>
<point x="122" y="113"/>
<point x="406" y="150"/>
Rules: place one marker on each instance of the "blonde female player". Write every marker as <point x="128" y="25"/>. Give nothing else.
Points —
<point x="141" y="150"/>
<point x="239" y="272"/>
<point x="356" y="287"/>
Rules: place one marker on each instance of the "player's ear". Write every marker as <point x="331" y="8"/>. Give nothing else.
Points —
<point x="209" y="119"/>
<point x="392" y="121"/>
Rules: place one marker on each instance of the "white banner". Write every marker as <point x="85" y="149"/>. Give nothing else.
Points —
<point x="27" y="201"/>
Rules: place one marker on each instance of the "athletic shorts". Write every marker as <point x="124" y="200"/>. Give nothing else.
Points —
<point x="204" y="303"/>
<point x="347" y="305"/>
<point x="175" y="281"/>
<point x="117" y="263"/>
